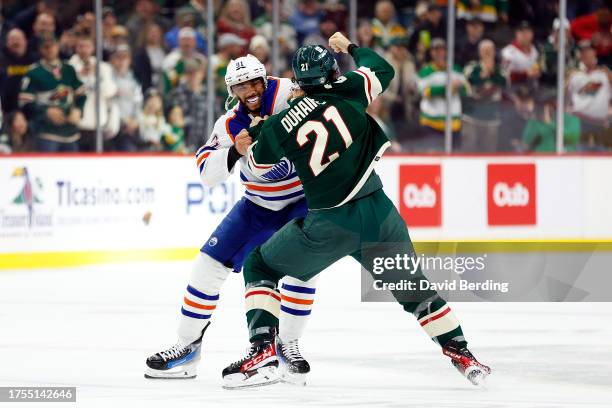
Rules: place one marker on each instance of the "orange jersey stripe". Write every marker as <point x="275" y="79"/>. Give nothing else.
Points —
<point x="227" y="126"/>
<point x="278" y="84"/>
<point x="297" y="301"/>
<point x="202" y="158"/>
<point x="197" y="305"/>
<point x="273" y="188"/>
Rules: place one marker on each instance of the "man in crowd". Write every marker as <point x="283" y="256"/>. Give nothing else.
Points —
<point x="185" y="17"/>
<point x="432" y="87"/>
<point x="402" y="94"/>
<point x="327" y="27"/>
<point x="84" y="63"/>
<point x="306" y="18"/>
<point x="14" y="63"/>
<point x="520" y="58"/>
<point x="53" y="98"/>
<point x="467" y="46"/>
<point x="173" y="66"/>
<point x="128" y="100"/>
<point x="44" y="25"/>
<point x="550" y="54"/>
<point x="481" y="120"/>
<point x="485" y="10"/>
<point x="432" y="27"/>
<point x="190" y="96"/>
<point x="384" y="25"/>
<point x="588" y="90"/>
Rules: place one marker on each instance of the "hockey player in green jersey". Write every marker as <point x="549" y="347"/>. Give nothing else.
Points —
<point x="334" y="146"/>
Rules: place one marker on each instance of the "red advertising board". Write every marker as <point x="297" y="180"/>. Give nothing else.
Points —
<point x="511" y="194"/>
<point x="420" y="190"/>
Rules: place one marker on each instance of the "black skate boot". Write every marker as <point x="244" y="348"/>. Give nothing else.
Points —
<point x="179" y="361"/>
<point x="259" y="367"/>
<point x="466" y="363"/>
<point x="293" y="367"/>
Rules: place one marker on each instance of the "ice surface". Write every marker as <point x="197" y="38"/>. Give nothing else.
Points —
<point x="93" y="328"/>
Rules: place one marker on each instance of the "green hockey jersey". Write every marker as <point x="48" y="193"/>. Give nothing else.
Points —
<point x="327" y="136"/>
<point x="44" y="86"/>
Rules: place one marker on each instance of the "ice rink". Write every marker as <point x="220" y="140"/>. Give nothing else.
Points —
<point x="93" y="327"/>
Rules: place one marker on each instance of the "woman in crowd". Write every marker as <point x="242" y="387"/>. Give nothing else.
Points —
<point x="149" y="56"/>
<point x="236" y="18"/>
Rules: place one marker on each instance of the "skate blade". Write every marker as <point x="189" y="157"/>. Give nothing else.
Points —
<point x="186" y="373"/>
<point x="477" y="376"/>
<point x="293" y="378"/>
<point x="262" y="377"/>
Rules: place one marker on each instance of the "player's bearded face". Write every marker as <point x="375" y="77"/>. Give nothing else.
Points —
<point x="250" y="93"/>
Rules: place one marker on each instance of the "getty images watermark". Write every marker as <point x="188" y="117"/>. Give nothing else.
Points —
<point x="492" y="271"/>
<point x="411" y="266"/>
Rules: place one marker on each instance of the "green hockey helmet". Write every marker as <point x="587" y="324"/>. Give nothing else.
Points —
<point x="313" y="65"/>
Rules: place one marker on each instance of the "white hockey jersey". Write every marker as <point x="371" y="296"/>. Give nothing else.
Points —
<point x="279" y="187"/>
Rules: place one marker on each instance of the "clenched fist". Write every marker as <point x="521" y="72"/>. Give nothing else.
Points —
<point x="339" y="43"/>
<point x="243" y="141"/>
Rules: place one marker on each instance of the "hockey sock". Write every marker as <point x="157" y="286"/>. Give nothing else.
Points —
<point x="201" y="297"/>
<point x="262" y="302"/>
<point x="438" y="320"/>
<point x="297" y="298"/>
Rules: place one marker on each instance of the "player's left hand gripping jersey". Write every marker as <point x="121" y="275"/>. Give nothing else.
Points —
<point x="278" y="187"/>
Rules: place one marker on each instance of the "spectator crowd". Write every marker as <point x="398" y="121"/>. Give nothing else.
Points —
<point x="153" y="73"/>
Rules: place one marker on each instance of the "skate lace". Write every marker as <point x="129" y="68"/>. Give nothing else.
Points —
<point x="249" y="353"/>
<point x="291" y="350"/>
<point x="173" y="352"/>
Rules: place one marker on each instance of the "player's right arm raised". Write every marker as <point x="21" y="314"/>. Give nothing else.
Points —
<point x="370" y="79"/>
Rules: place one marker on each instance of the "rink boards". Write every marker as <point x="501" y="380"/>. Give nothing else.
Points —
<point x="72" y="210"/>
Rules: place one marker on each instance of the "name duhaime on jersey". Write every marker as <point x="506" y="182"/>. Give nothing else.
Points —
<point x="275" y="188"/>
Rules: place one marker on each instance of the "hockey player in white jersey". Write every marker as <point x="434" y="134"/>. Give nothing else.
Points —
<point x="270" y="202"/>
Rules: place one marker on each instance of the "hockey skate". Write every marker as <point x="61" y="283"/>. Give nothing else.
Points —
<point x="259" y="367"/>
<point x="466" y="363"/>
<point x="178" y="362"/>
<point x="293" y="368"/>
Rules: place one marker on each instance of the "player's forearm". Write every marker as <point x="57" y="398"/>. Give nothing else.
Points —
<point x="213" y="165"/>
<point x="367" y="57"/>
<point x="232" y="157"/>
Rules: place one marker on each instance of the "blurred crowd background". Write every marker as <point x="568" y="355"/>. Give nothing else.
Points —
<point x="153" y="75"/>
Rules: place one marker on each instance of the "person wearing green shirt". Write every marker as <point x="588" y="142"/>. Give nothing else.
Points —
<point x="540" y="133"/>
<point x="53" y="97"/>
<point x="482" y="108"/>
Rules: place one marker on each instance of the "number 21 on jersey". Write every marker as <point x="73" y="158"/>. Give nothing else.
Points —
<point x="317" y="162"/>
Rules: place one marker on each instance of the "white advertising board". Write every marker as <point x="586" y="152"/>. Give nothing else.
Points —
<point x="92" y="203"/>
